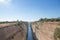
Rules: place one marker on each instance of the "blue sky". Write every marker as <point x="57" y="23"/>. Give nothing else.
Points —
<point x="28" y="10"/>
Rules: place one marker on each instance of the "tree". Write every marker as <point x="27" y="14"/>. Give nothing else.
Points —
<point x="18" y="22"/>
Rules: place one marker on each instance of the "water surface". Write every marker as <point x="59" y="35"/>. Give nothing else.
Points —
<point x="30" y="36"/>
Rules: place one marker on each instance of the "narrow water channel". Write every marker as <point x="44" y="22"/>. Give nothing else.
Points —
<point x="30" y="36"/>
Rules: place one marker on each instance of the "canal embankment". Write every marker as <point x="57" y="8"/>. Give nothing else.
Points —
<point x="14" y="32"/>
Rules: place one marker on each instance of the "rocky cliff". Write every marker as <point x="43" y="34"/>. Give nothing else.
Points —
<point x="44" y="30"/>
<point x="14" y="32"/>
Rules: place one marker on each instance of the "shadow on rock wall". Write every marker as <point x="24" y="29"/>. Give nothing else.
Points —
<point x="34" y="36"/>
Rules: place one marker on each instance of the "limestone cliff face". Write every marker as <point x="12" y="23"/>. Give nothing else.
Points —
<point x="45" y="30"/>
<point x="14" y="32"/>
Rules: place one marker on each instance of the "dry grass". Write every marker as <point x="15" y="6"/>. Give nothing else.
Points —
<point x="6" y="24"/>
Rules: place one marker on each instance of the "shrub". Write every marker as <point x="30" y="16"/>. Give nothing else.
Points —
<point x="51" y="19"/>
<point x="57" y="33"/>
<point x="18" y="22"/>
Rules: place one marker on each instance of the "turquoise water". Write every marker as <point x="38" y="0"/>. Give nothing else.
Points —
<point x="30" y="36"/>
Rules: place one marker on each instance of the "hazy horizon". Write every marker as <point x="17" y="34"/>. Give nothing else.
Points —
<point x="28" y="10"/>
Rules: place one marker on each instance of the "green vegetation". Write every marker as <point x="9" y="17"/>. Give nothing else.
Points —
<point x="21" y="22"/>
<point x="7" y="22"/>
<point x="18" y="22"/>
<point x="51" y="19"/>
<point x="57" y="34"/>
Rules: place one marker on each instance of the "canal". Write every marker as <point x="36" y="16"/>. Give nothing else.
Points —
<point x="30" y="36"/>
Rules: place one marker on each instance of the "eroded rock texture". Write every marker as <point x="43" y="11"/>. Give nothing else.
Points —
<point x="44" y="30"/>
<point x="14" y="32"/>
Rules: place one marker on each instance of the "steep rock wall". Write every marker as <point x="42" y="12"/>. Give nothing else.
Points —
<point x="44" y="30"/>
<point x="13" y="32"/>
